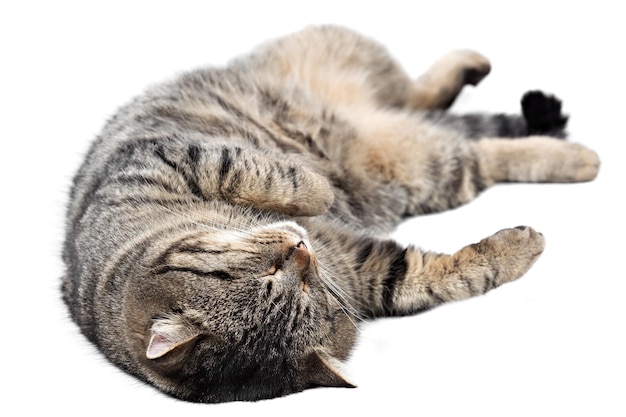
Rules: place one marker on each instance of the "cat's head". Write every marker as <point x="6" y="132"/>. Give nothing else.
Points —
<point x="224" y="315"/>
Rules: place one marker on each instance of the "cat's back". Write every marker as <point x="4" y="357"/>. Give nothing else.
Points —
<point x="297" y="80"/>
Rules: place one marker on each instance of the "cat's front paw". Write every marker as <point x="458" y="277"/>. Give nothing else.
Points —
<point x="511" y="252"/>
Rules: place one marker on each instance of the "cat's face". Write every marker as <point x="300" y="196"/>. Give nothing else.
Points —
<point x="238" y="315"/>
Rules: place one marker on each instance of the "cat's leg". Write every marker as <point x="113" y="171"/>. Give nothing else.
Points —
<point x="238" y="174"/>
<point x="439" y="86"/>
<point x="536" y="159"/>
<point x="431" y="279"/>
<point x="439" y="169"/>
<point x="346" y="67"/>
<point x="381" y="277"/>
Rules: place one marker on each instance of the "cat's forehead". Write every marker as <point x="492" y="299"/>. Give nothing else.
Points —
<point x="284" y="231"/>
<point x="286" y="228"/>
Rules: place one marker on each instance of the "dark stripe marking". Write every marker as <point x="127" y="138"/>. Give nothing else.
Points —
<point x="191" y="182"/>
<point x="226" y="163"/>
<point x="363" y="254"/>
<point x="215" y="274"/>
<point x="292" y="175"/>
<point x="395" y="275"/>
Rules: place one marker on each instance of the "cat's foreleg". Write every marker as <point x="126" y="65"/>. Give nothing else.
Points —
<point x="248" y="177"/>
<point x="439" y="86"/>
<point x="414" y="280"/>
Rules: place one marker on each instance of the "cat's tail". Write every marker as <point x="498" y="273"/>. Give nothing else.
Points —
<point x="541" y="115"/>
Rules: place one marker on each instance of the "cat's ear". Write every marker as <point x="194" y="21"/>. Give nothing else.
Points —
<point x="168" y="334"/>
<point x="321" y="369"/>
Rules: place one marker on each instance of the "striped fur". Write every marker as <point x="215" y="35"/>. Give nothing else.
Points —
<point x="225" y="234"/>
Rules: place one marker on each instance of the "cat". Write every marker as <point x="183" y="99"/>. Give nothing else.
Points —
<point x="228" y="229"/>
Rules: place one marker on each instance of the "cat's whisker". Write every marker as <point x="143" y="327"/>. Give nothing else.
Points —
<point x="330" y="277"/>
<point x="349" y="311"/>
<point x="214" y="224"/>
<point x="278" y="309"/>
<point x="343" y="299"/>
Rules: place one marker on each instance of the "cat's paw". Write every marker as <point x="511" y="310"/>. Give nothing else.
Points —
<point x="472" y="66"/>
<point x="460" y="67"/>
<point x="511" y="252"/>
<point x="542" y="113"/>
<point x="317" y="198"/>
<point x="583" y="164"/>
<point x="571" y="162"/>
<point x="439" y="86"/>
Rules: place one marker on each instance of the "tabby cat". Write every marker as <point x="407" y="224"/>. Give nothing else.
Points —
<point x="226" y="232"/>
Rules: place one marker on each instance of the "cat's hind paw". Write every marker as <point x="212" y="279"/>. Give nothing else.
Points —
<point x="439" y="86"/>
<point x="569" y="162"/>
<point x="542" y="113"/>
<point x="472" y="65"/>
<point x="585" y="165"/>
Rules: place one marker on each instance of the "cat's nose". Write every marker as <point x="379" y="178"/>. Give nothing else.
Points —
<point x="299" y="254"/>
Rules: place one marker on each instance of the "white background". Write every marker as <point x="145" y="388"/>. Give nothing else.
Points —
<point x="550" y="344"/>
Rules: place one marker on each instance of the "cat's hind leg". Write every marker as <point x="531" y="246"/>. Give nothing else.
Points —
<point x="439" y="86"/>
<point x="536" y="159"/>
<point x="345" y="67"/>
<point x="439" y="169"/>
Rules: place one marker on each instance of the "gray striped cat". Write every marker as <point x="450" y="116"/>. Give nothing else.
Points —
<point x="226" y="232"/>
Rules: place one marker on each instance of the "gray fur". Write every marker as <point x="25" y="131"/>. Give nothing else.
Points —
<point x="225" y="234"/>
